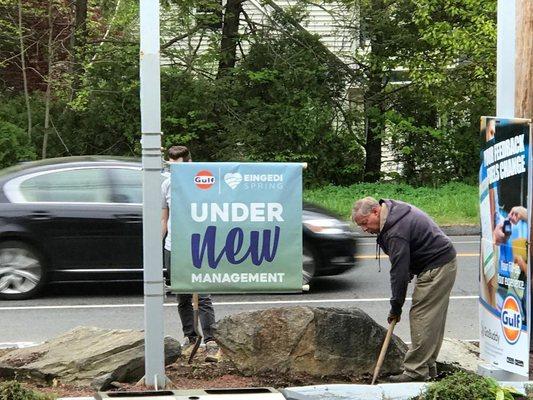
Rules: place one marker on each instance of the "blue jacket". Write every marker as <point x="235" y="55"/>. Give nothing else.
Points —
<point x="414" y="244"/>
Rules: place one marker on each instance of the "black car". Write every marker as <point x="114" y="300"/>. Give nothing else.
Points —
<point x="80" y="219"/>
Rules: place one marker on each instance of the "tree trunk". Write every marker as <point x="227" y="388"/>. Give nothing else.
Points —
<point x="524" y="59"/>
<point x="374" y="100"/>
<point x="48" y="81"/>
<point x="81" y="22"/>
<point x="230" y="32"/>
<point x="23" y="67"/>
<point x="374" y="127"/>
<point x="78" y="41"/>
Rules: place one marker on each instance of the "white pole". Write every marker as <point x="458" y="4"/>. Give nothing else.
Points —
<point x="505" y="59"/>
<point x="151" y="161"/>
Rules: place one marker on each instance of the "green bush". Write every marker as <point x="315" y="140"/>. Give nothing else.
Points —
<point x="467" y="386"/>
<point x="13" y="390"/>
<point x="15" y="145"/>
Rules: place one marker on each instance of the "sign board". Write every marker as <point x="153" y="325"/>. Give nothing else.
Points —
<point x="504" y="185"/>
<point x="236" y="227"/>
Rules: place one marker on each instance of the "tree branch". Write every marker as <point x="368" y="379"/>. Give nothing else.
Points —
<point x="195" y="29"/>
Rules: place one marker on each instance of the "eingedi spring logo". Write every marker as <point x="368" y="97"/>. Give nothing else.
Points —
<point x="511" y="320"/>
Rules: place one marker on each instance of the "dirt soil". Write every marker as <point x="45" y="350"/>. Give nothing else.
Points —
<point x="198" y="374"/>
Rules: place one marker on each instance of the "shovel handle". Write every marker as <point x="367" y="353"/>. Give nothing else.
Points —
<point x="195" y="308"/>
<point x="383" y="352"/>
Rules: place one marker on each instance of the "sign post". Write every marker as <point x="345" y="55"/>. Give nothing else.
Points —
<point x="151" y="162"/>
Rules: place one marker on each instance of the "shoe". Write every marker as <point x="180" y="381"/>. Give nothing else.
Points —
<point x="404" y="378"/>
<point x="433" y="372"/>
<point x="212" y="352"/>
<point x="187" y="346"/>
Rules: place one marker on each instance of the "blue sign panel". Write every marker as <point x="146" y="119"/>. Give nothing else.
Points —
<point x="236" y="227"/>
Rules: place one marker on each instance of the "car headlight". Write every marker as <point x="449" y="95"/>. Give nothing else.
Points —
<point x="327" y="226"/>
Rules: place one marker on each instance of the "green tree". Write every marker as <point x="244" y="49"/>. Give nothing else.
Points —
<point x="269" y="90"/>
<point x="444" y="51"/>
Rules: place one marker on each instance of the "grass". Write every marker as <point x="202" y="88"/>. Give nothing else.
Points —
<point x="451" y="204"/>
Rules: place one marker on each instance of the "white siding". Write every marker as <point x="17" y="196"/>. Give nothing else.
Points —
<point x="322" y="20"/>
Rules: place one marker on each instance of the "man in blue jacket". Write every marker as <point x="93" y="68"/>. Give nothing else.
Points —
<point x="416" y="246"/>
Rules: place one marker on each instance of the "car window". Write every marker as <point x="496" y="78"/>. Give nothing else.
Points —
<point x="127" y="185"/>
<point x="84" y="185"/>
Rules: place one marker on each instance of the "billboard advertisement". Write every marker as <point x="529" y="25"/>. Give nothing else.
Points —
<point x="236" y="227"/>
<point x="504" y="184"/>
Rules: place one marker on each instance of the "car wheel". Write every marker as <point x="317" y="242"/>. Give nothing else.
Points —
<point x="308" y="265"/>
<point x="21" y="271"/>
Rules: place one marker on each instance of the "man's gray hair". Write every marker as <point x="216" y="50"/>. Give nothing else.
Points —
<point x="364" y="206"/>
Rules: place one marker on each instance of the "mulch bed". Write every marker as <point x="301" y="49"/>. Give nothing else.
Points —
<point x="198" y="375"/>
<point x="183" y="376"/>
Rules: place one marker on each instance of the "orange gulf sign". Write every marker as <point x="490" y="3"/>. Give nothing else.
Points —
<point x="511" y="319"/>
<point x="204" y="179"/>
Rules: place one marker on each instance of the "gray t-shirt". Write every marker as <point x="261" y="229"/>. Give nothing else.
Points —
<point x="165" y="191"/>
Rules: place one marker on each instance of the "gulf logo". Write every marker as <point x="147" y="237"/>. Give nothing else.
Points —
<point x="511" y="320"/>
<point x="204" y="179"/>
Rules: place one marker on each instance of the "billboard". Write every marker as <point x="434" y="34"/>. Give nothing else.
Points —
<point x="504" y="185"/>
<point x="236" y="227"/>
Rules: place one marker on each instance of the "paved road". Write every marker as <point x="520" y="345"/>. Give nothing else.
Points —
<point x="64" y="307"/>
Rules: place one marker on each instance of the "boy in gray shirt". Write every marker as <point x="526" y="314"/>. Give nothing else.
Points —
<point x="178" y="154"/>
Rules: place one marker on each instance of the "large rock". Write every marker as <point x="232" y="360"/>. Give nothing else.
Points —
<point x="86" y="355"/>
<point x="320" y="342"/>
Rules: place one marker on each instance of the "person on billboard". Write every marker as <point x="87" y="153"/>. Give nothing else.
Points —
<point x="178" y="154"/>
<point x="490" y="217"/>
<point x="416" y="246"/>
<point x="511" y="236"/>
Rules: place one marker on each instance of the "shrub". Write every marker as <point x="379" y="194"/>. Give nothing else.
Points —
<point x="467" y="386"/>
<point x="13" y="390"/>
<point x="14" y="145"/>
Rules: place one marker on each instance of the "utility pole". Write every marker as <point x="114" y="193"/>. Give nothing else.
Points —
<point x="524" y="59"/>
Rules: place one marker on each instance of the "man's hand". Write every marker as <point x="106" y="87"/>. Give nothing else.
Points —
<point x="393" y="317"/>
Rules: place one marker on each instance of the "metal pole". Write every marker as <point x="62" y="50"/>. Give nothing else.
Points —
<point x="505" y="59"/>
<point x="151" y="162"/>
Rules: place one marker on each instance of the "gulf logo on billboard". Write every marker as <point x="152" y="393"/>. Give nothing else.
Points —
<point x="511" y="319"/>
<point x="204" y="179"/>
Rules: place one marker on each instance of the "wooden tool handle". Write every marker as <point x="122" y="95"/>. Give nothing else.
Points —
<point x="383" y="352"/>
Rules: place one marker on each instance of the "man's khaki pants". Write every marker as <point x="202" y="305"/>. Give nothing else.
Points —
<point x="427" y="318"/>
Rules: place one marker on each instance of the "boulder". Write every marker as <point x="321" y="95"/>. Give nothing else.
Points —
<point x="319" y="342"/>
<point x="86" y="356"/>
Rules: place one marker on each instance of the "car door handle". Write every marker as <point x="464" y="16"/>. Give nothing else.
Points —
<point x="128" y="218"/>
<point x="40" y="215"/>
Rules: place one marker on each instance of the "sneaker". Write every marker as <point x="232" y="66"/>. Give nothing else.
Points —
<point x="187" y="346"/>
<point x="212" y="352"/>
